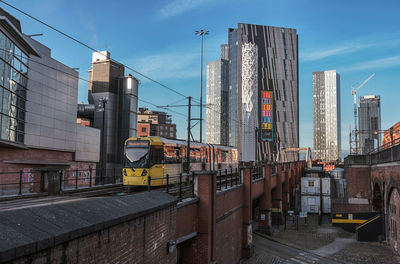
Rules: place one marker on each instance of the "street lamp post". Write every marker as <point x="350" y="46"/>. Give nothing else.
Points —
<point x="103" y="150"/>
<point x="201" y="33"/>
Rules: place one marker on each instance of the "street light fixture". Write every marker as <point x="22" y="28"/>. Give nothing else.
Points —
<point x="103" y="155"/>
<point x="201" y="33"/>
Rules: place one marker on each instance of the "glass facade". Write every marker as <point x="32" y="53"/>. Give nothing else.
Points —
<point x="13" y="82"/>
<point x="217" y="98"/>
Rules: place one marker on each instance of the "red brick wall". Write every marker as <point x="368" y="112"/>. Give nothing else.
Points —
<point x="273" y="181"/>
<point x="9" y="172"/>
<point x="228" y="200"/>
<point x="358" y="182"/>
<point x="257" y="189"/>
<point x="186" y="220"/>
<point x="350" y="208"/>
<point x="228" y="246"/>
<point x="142" y="240"/>
<point x="146" y="126"/>
<point x="229" y="222"/>
<point x="393" y="220"/>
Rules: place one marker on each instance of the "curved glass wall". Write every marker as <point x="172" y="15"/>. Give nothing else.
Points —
<point x="13" y="82"/>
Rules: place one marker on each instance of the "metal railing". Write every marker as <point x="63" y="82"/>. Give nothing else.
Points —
<point x="388" y="145"/>
<point x="228" y="178"/>
<point x="257" y="173"/>
<point x="180" y="185"/>
<point x="41" y="180"/>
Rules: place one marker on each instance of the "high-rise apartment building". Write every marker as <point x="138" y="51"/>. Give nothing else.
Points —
<point x="369" y="120"/>
<point x="327" y="129"/>
<point x="263" y="82"/>
<point x="217" y="101"/>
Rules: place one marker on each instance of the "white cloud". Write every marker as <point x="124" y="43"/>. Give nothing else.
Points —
<point x="177" y="7"/>
<point x="387" y="62"/>
<point x="324" y="53"/>
<point x="384" y="41"/>
<point x="167" y="65"/>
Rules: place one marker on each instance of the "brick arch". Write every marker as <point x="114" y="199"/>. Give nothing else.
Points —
<point x="377" y="196"/>
<point x="392" y="219"/>
<point x="390" y="187"/>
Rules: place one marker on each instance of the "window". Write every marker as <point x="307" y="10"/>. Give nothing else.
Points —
<point x="156" y="155"/>
<point x="310" y="183"/>
<point x="144" y="129"/>
<point x="13" y="84"/>
<point x="172" y="154"/>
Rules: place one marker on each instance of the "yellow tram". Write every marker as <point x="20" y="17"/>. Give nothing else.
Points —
<point x="156" y="157"/>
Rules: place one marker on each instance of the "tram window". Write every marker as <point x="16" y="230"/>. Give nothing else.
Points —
<point x="156" y="155"/>
<point x="224" y="155"/>
<point x="171" y="154"/>
<point x="195" y="155"/>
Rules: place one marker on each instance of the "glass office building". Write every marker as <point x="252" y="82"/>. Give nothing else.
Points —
<point x="327" y="129"/>
<point x="13" y="81"/>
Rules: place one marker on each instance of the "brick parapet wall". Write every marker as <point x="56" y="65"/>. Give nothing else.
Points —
<point x="187" y="218"/>
<point x="128" y="229"/>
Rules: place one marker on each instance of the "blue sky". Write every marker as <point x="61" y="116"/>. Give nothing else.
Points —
<point x="357" y="38"/>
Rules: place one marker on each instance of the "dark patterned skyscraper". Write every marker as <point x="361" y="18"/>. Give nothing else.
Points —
<point x="277" y="76"/>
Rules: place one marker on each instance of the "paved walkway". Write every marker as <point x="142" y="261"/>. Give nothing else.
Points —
<point x="313" y="244"/>
<point x="269" y="251"/>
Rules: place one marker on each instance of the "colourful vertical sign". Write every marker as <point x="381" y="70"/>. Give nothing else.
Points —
<point x="267" y="102"/>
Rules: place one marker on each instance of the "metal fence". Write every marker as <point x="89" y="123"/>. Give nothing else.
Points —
<point x="183" y="185"/>
<point x="42" y="180"/>
<point x="257" y="173"/>
<point x="228" y="178"/>
<point x="388" y="145"/>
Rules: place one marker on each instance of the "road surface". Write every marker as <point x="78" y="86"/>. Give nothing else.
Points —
<point x="267" y="251"/>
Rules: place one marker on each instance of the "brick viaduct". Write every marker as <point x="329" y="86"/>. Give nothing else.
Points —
<point x="374" y="185"/>
<point x="215" y="226"/>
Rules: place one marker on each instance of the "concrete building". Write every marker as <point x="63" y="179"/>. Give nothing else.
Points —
<point x="119" y="116"/>
<point x="327" y="128"/>
<point x="277" y="74"/>
<point x="217" y="102"/>
<point x="369" y="121"/>
<point x="155" y="123"/>
<point x="38" y="97"/>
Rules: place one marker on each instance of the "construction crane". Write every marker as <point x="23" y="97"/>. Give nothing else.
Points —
<point x="354" y="93"/>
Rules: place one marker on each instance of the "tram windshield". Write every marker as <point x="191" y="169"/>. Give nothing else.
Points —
<point x="137" y="153"/>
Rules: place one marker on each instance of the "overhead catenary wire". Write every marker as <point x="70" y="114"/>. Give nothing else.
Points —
<point x="82" y="79"/>
<point x="91" y="48"/>
<point x="128" y="67"/>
